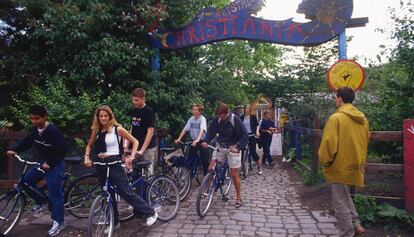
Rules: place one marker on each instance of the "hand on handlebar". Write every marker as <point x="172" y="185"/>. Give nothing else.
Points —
<point x="204" y="144"/>
<point x="233" y="149"/>
<point x="45" y="166"/>
<point x="11" y="154"/>
<point x="177" y="141"/>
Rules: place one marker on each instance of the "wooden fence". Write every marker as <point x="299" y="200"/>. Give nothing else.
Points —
<point x="10" y="138"/>
<point x="296" y="133"/>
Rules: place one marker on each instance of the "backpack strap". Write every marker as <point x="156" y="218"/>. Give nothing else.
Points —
<point x="231" y="120"/>
<point x="120" y="142"/>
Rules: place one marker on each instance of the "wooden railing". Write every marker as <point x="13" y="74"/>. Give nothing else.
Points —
<point x="10" y="138"/>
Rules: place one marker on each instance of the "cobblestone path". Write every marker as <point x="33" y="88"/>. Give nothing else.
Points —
<point x="271" y="208"/>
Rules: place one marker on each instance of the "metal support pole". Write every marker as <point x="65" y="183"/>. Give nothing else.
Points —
<point x="155" y="65"/>
<point x="342" y="45"/>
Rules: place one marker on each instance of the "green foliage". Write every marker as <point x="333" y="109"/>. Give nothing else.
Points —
<point x="392" y="218"/>
<point x="395" y="218"/>
<point x="366" y="208"/>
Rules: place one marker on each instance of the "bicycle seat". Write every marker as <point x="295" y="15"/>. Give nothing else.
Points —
<point x="73" y="159"/>
<point x="144" y="163"/>
<point x="168" y="149"/>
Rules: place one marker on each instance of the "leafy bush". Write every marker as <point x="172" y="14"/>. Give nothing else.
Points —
<point x="366" y="208"/>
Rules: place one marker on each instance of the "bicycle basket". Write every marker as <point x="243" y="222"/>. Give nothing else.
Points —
<point x="177" y="161"/>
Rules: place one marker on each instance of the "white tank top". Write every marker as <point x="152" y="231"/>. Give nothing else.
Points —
<point x="112" y="146"/>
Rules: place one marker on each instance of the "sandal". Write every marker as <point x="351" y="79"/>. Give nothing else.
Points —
<point x="238" y="203"/>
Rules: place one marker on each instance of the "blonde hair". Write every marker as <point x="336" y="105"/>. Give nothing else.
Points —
<point x="97" y="126"/>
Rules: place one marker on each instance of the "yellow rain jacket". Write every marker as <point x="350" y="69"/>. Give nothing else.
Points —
<point x="344" y="145"/>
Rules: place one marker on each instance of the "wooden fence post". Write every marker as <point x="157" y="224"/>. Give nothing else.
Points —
<point x="316" y="143"/>
<point x="409" y="164"/>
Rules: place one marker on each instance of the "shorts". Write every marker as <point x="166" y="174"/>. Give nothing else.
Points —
<point x="233" y="159"/>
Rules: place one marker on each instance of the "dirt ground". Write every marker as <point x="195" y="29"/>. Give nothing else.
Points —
<point x="318" y="198"/>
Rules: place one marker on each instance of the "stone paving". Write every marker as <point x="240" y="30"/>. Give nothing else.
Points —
<point x="271" y="208"/>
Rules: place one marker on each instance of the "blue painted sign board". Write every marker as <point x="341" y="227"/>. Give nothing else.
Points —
<point x="328" y="18"/>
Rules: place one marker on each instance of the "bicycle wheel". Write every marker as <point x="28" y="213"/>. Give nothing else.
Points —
<point x="101" y="218"/>
<point x="182" y="178"/>
<point x="205" y="195"/>
<point x="245" y="165"/>
<point x="226" y="183"/>
<point x="11" y="210"/>
<point x="126" y="211"/>
<point x="163" y="195"/>
<point x="80" y="195"/>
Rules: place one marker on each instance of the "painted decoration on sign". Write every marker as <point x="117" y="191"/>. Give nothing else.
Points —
<point x="328" y="18"/>
<point x="345" y="73"/>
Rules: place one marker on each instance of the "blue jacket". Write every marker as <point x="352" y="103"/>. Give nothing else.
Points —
<point x="50" y="144"/>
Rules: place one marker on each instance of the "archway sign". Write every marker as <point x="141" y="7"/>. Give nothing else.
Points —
<point x="328" y="18"/>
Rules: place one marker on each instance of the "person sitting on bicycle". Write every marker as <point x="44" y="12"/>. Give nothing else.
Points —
<point x="232" y="135"/>
<point x="197" y="125"/>
<point x="52" y="148"/>
<point x="250" y="123"/>
<point x="106" y="136"/>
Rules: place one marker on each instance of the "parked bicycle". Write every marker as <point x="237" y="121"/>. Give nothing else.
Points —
<point x="183" y="170"/>
<point x="160" y="191"/>
<point x="246" y="160"/>
<point x="78" y="194"/>
<point x="218" y="179"/>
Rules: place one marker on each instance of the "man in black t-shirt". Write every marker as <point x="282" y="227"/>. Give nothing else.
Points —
<point x="142" y="127"/>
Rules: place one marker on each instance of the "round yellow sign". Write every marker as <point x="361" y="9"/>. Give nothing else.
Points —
<point x="345" y="73"/>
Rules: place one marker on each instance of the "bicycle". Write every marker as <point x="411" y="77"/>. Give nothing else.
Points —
<point x="160" y="192"/>
<point x="246" y="160"/>
<point x="12" y="203"/>
<point x="183" y="170"/>
<point x="218" y="179"/>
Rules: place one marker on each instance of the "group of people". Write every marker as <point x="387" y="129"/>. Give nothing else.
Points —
<point x="342" y="152"/>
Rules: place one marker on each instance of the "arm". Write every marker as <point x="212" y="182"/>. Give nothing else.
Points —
<point x="203" y="128"/>
<point x="185" y="129"/>
<point x="242" y="133"/>
<point x="150" y="133"/>
<point x="127" y="136"/>
<point x="23" y="145"/>
<point x="329" y="143"/>
<point x="211" y="131"/>
<point x="92" y="139"/>
<point x="59" y="146"/>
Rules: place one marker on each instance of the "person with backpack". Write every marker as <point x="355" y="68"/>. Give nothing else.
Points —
<point x="250" y="123"/>
<point x="52" y="148"/>
<point x="106" y="140"/>
<point x="232" y="135"/>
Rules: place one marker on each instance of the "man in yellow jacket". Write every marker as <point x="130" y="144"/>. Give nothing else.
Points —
<point x="342" y="153"/>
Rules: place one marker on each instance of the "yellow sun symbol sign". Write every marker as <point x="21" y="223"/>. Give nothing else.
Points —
<point x="345" y="73"/>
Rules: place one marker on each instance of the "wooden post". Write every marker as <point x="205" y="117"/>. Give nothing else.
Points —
<point x="316" y="144"/>
<point x="409" y="164"/>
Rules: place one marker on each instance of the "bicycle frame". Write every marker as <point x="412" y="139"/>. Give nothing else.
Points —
<point x="219" y="173"/>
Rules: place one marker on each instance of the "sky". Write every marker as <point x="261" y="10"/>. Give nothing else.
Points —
<point x="366" y="41"/>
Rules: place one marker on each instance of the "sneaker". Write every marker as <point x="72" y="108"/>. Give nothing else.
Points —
<point x="39" y="208"/>
<point x="56" y="228"/>
<point x="272" y="164"/>
<point x="284" y="159"/>
<point x="117" y="226"/>
<point x="152" y="219"/>
<point x="259" y="172"/>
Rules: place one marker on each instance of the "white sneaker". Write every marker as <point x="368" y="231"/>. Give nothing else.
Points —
<point x="56" y="228"/>
<point x="284" y="159"/>
<point x="259" y="172"/>
<point x="117" y="226"/>
<point x="151" y="220"/>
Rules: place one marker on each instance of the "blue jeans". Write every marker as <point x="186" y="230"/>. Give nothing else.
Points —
<point x="267" y="141"/>
<point x="54" y="186"/>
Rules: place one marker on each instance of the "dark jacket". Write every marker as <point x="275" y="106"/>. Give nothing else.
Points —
<point x="253" y="122"/>
<point x="228" y="134"/>
<point x="50" y="144"/>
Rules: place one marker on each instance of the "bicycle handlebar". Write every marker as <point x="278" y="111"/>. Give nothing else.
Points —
<point x="30" y="163"/>
<point x="107" y="163"/>
<point x="218" y="149"/>
<point x="185" y="143"/>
